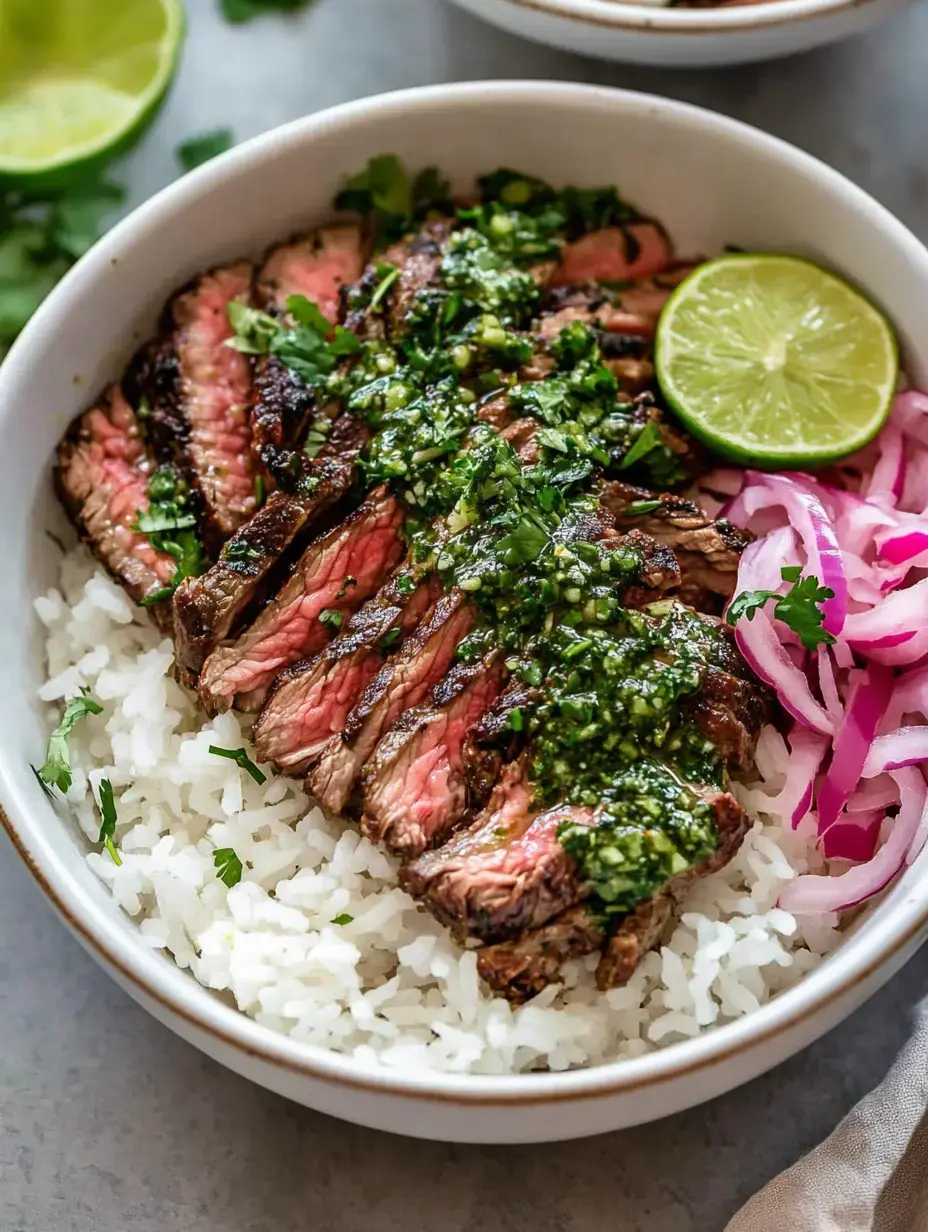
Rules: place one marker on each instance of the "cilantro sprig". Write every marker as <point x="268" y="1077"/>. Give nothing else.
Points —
<point x="200" y="149"/>
<point x="56" y="771"/>
<point x="392" y="201"/>
<point x="311" y="346"/>
<point x="799" y="608"/>
<point x="42" y="234"/>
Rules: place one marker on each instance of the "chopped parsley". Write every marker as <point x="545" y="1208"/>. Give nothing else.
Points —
<point x="56" y="771"/>
<point x="108" y="822"/>
<point x="242" y="760"/>
<point x="800" y="608"/>
<point x="228" y="866"/>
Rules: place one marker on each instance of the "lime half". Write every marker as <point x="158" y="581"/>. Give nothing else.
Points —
<point x="773" y="361"/>
<point x="80" y="80"/>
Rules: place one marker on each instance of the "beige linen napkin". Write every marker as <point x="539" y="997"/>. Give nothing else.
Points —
<point x="871" y="1175"/>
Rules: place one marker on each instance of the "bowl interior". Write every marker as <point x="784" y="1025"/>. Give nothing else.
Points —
<point x="711" y="181"/>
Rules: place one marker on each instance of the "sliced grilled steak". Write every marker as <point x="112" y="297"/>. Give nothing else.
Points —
<point x="414" y="785"/>
<point x="214" y="391"/>
<point x="521" y="968"/>
<point x="417" y="257"/>
<point x="630" y="314"/>
<point x="708" y="551"/>
<point x="317" y="266"/>
<point x="616" y="254"/>
<point x="404" y="681"/>
<point x="730" y="709"/>
<point x="640" y="931"/>
<point x="508" y="872"/>
<point x="366" y="546"/>
<point x="102" y="475"/>
<point x="208" y="609"/>
<point x="310" y="701"/>
<point x="492" y="742"/>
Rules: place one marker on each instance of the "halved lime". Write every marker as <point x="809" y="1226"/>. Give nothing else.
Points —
<point x="80" y="80"/>
<point x="773" y="361"/>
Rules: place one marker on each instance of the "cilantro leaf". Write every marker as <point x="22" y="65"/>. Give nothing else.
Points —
<point x="800" y="608"/>
<point x="311" y="346"/>
<point x="242" y="760"/>
<point x="57" y="768"/>
<point x="228" y="866"/>
<point x="344" y="918"/>
<point x="239" y="11"/>
<point x="108" y="822"/>
<point x="647" y="439"/>
<point x="384" y="192"/>
<point x="523" y="544"/>
<point x="200" y="149"/>
<point x="171" y="527"/>
<point x="331" y="616"/>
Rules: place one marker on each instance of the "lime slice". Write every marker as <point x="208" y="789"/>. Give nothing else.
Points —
<point x="771" y="360"/>
<point x="80" y="80"/>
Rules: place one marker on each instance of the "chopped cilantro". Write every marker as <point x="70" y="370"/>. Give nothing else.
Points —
<point x="108" y="822"/>
<point x="311" y="346"/>
<point x="390" y="638"/>
<point x="331" y="616"/>
<point x="198" y="150"/>
<point x="242" y="760"/>
<point x="239" y="551"/>
<point x="384" y="192"/>
<point x="171" y="526"/>
<point x="344" y="918"/>
<point x="343" y="589"/>
<point x="516" y="719"/>
<point x="638" y="509"/>
<point x="800" y="608"/>
<point x="647" y="439"/>
<point x="228" y="866"/>
<point x="57" y="768"/>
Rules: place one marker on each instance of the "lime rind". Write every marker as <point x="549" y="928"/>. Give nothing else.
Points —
<point x="59" y="121"/>
<point x="772" y="360"/>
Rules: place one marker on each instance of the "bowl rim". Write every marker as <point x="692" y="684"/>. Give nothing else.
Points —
<point x="155" y="976"/>
<point x="655" y="20"/>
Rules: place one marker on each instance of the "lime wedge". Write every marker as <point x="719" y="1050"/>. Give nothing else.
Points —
<point x="80" y="80"/>
<point x="773" y="361"/>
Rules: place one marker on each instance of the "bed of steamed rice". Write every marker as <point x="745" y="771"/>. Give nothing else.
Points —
<point x="389" y="987"/>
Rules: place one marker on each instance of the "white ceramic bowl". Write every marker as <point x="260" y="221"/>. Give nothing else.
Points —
<point x="684" y="37"/>
<point x="712" y="181"/>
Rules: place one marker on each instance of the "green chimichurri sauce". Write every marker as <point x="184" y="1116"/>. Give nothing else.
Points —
<point x="608" y="728"/>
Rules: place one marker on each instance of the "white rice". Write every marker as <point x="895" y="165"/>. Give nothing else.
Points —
<point x="389" y="988"/>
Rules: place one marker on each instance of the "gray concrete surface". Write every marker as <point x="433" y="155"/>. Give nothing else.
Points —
<point x="108" y="1123"/>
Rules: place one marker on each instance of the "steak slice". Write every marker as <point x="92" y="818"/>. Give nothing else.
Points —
<point x="417" y="257"/>
<point x="214" y="391"/>
<point x="630" y="313"/>
<point x="641" y="930"/>
<point x="414" y="786"/>
<point x="209" y="608"/>
<point x="730" y="709"/>
<point x="508" y="872"/>
<point x="310" y="701"/>
<point x="616" y="254"/>
<point x="318" y="266"/>
<point x="708" y="551"/>
<point x="521" y="968"/>
<point x="404" y="681"/>
<point x="102" y="474"/>
<point x="366" y="546"/>
<point x="493" y="742"/>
